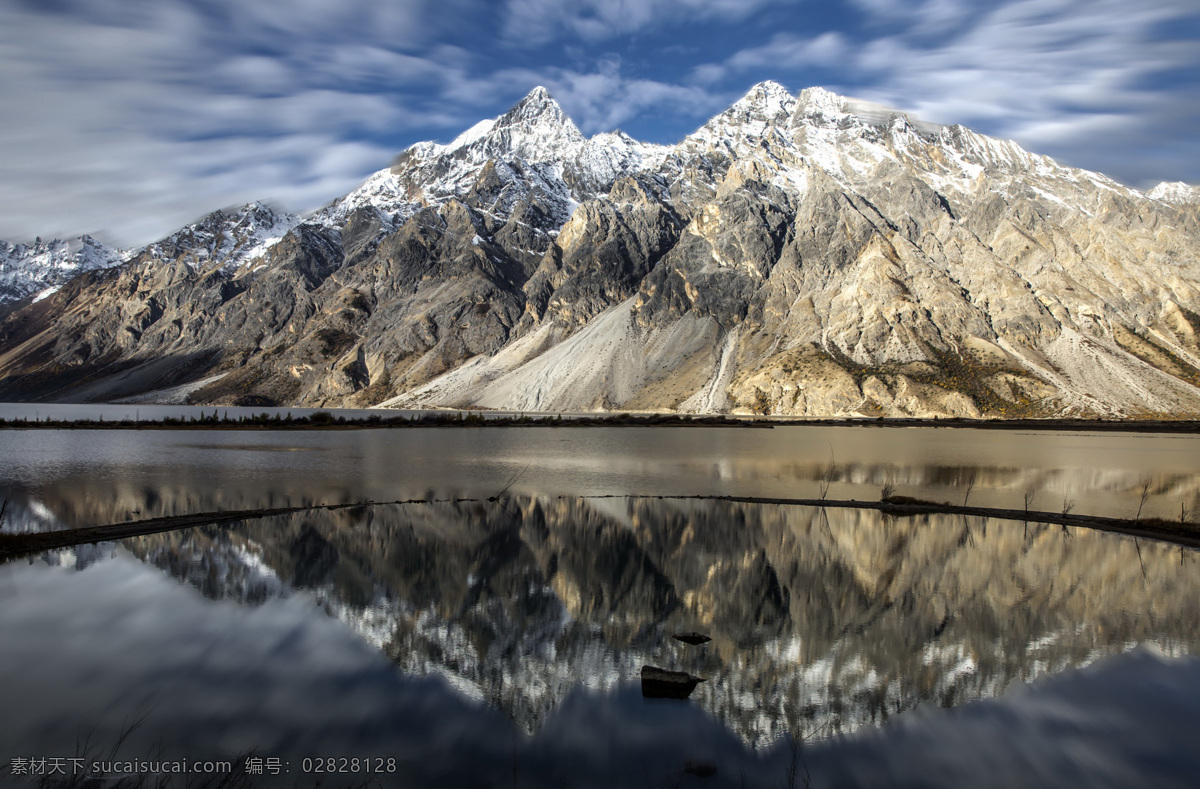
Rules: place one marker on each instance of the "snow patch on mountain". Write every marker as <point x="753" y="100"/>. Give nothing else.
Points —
<point x="472" y="134"/>
<point x="382" y="191"/>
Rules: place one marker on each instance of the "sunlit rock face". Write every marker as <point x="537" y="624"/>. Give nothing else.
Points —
<point x="822" y="621"/>
<point x="808" y="254"/>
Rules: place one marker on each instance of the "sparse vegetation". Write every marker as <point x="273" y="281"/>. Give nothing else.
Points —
<point x="1142" y="500"/>
<point x="1138" y="343"/>
<point x="476" y="418"/>
<point x="827" y="475"/>
<point x="954" y="372"/>
<point x="325" y="419"/>
<point x="762" y="402"/>
<point x="333" y="342"/>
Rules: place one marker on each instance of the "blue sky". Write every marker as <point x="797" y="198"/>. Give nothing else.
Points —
<point x="132" y="117"/>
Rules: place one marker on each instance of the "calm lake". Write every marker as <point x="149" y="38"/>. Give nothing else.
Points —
<point x="495" y="638"/>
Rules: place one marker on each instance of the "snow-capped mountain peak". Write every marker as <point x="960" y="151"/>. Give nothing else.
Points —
<point x="226" y="238"/>
<point x="766" y="105"/>
<point x="537" y="106"/>
<point x="769" y="95"/>
<point x="534" y="129"/>
<point x="534" y="144"/>
<point x="42" y="267"/>
<point x="820" y="107"/>
<point x="1176" y="192"/>
<point x="817" y="101"/>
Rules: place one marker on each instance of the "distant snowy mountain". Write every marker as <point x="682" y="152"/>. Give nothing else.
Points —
<point x="1175" y="192"/>
<point x="224" y="239"/>
<point x="40" y="267"/>
<point x="798" y="254"/>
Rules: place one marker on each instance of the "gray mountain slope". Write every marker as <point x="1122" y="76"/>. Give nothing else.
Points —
<point x="805" y="254"/>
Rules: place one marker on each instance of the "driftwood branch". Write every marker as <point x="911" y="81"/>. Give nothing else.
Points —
<point x="1184" y="534"/>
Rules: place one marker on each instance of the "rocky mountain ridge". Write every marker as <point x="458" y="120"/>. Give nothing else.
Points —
<point x="806" y="254"/>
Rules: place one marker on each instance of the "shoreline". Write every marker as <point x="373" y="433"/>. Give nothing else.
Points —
<point x="1184" y="534"/>
<point x="322" y="420"/>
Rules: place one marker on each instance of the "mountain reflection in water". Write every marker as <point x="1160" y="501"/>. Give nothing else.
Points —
<point x="823" y="621"/>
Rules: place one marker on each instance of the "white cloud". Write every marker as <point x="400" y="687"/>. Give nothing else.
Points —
<point x="602" y="101"/>
<point x="537" y="21"/>
<point x="136" y="115"/>
<point x="786" y="50"/>
<point x="255" y="74"/>
<point x="131" y="117"/>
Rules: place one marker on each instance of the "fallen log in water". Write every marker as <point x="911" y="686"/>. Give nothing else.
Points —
<point x="25" y="543"/>
<point x="1175" y="532"/>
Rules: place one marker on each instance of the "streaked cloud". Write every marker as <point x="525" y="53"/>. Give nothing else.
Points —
<point x="538" y="21"/>
<point x="134" y="116"/>
<point x="602" y="101"/>
<point x="1077" y="79"/>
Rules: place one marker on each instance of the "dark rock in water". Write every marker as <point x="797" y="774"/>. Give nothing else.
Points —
<point x="659" y="683"/>
<point x="695" y="639"/>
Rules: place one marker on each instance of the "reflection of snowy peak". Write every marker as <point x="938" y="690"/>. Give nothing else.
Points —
<point x="820" y="620"/>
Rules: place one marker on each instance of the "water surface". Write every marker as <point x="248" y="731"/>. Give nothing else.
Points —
<point x="513" y="630"/>
<point x="118" y="473"/>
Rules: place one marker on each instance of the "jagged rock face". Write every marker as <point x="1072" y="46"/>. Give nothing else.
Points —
<point x="805" y="254"/>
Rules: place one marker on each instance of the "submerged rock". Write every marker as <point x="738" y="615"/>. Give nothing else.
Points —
<point x="693" y="638"/>
<point x="661" y="683"/>
<point x="700" y="769"/>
